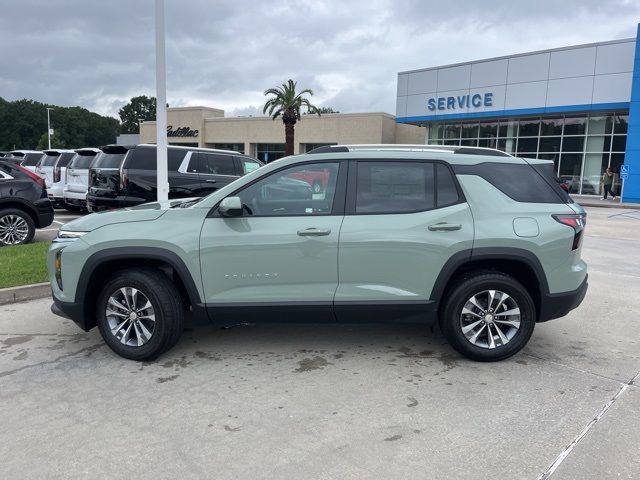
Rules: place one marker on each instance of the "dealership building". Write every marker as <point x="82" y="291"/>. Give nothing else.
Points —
<point x="578" y="106"/>
<point x="263" y="138"/>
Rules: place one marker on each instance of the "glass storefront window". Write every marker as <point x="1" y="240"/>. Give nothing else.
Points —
<point x="529" y="127"/>
<point x="600" y="125"/>
<point x="470" y="130"/>
<point x="570" y="166"/>
<point x="488" y="142"/>
<point x="236" y="147"/>
<point x="451" y="142"/>
<point x="572" y="144"/>
<point x="488" y="129"/>
<point x="575" y="125"/>
<point x="469" y="142"/>
<point x="617" y="159"/>
<point x="528" y="144"/>
<point x="620" y="124"/>
<point x="594" y="165"/>
<point x="268" y="152"/>
<point x="452" y="131"/>
<point x="551" y="126"/>
<point x="598" y="143"/>
<point x="508" y="128"/>
<point x="619" y="143"/>
<point x="550" y="144"/>
<point x="436" y="132"/>
<point x="507" y="145"/>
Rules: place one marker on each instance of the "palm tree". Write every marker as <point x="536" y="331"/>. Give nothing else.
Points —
<point x="286" y="102"/>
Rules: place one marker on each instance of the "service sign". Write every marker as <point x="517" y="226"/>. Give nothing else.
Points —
<point x="460" y="102"/>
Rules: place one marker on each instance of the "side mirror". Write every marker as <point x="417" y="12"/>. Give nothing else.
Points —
<point x="230" y="207"/>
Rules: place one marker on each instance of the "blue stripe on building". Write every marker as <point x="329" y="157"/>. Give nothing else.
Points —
<point x="632" y="153"/>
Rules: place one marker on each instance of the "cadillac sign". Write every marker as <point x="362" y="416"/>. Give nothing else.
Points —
<point x="181" y="132"/>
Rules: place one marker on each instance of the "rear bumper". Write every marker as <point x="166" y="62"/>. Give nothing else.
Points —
<point x="72" y="311"/>
<point x="556" y="305"/>
<point x="44" y="212"/>
<point x="96" y="204"/>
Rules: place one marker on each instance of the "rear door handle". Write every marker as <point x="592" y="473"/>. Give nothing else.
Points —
<point x="444" y="227"/>
<point x="314" y="232"/>
<point x="210" y="181"/>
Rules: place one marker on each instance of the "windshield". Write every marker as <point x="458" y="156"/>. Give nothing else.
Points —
<point x="31" y="159"/>
<point x="109" y="160"/>
<point x="49" y="160"/>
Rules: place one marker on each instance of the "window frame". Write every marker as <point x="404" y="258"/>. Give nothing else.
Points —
<point x="350" y="208"/>
<point x="337" y="207"/>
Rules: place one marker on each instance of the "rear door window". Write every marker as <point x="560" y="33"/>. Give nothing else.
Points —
<point x="394" y="187"/>
<point x="447" y="191"/>
<point x="247" y="165"/>
<point x="109" y="160"/>
<point x="216" y="164"/>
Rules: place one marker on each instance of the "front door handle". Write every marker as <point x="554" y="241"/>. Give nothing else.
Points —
<point x="444" y="227"/>
<point x="210" y="181"/>
<point x="314" y="232"/>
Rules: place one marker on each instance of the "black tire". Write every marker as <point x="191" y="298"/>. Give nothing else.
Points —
<point x="467" y="287"/>
<point x="167" y="306"/>
<point x="317" y="187"/>
<point x="31" y="226"/>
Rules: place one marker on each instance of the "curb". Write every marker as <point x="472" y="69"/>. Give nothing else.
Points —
<point x="24" y="293"/>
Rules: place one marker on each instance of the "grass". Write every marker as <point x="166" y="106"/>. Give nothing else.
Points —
<point x="23" y="264"/>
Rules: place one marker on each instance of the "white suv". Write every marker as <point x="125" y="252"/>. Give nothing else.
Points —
<point x="53" y="167"/>
<point x="77" y="177"/>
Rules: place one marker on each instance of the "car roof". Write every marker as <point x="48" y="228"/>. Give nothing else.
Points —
<point x="57" y="151"/>
<point x="179" y="147"/>
<point x="24" y="152"/>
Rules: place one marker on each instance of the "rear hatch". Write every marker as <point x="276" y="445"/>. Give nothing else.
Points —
<point x="104" y="174"/>
<point x="30" y="160"/>
<point x="78" y="170"/>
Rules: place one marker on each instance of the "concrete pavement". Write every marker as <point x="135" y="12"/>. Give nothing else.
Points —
<point x="348" y="402"/>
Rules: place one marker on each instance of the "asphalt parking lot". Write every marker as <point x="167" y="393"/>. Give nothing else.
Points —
<point x="60" y="218"/>
<point x="347" y="402"/>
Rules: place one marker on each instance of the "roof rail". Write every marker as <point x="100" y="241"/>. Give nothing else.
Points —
<point x="411" y="148"/>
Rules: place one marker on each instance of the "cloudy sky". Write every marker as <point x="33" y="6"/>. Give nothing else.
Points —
<point x="224" y="54"/>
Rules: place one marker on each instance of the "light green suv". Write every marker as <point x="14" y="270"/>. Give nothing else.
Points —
<point x="482" y="242"/>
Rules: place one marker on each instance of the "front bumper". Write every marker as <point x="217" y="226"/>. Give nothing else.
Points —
<point x="72" y="311"/>
<point x="556" y="305"/>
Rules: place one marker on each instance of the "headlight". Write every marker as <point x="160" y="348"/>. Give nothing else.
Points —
<point x="66" y="235"/>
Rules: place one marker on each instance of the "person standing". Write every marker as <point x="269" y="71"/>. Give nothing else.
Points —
<point x="607" y="183"/>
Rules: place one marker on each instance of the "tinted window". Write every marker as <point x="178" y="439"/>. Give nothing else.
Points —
<point x="248" y="165"/>
<point x="109" y="160"/>
<point x="49" y="160"/>
<point x="175" y="156"/>
<point x="142" y="159"/>
<point x="447" y="191"/>
<point x="64" y="159"/>
<point x="521" y="182"/>
<point x="290" y="191"/>
<point x="394" y="187"/>
<point x="31" y="159"/>
<point x="216" y="164"/>
<point x="83" y="161"/>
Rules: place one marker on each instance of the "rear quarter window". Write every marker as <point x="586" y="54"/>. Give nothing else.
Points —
<point x="109" y="160"/>
<point x="82" y="161"/>
<point x="147" y="158"/>
<point x="64" y="159"/>
<point x="31" y="159"/>
<point x="519" y="181"/>
<point x="49" y="160"/>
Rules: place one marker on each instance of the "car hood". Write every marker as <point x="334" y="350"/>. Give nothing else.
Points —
<point x="140" y="213"/>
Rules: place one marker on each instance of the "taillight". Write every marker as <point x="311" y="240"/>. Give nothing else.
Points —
<point x="124" y="178"/>
<point x="36" y="178"/>
<point x="575" y="221"/>
<point x="56" y="174"/>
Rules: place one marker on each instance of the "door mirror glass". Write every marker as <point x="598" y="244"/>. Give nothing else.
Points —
<point x="231" y="207"/>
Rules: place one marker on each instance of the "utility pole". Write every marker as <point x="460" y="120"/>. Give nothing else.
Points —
<point x="49" y="126"/>
<point x="161" y="106"/>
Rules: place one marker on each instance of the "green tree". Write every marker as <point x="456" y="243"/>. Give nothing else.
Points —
<point x="324" y="110"/>
<point x="138" y="108"/>
<point x="23" y="125"/>
<point x="286" y="102"/>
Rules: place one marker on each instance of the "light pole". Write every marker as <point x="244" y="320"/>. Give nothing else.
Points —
<point x="49" y="126"/>
<point x="161" y="106"/>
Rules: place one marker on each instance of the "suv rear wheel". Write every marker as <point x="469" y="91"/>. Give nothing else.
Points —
<point x="139" y="314"/>
<point x="488" y="316"/>
<point x="16" y="227"/>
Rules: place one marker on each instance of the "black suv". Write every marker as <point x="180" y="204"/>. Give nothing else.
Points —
<point x="123" y="176"/>
<point x="24" y="205"/>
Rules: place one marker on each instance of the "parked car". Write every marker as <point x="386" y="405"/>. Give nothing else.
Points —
<point x="27" y="158"/>
<point x="77" y="177"/>
<point x="52" y="167"/>
<point x="24" y="205"/>
<point x="317" y="180"/>
<point x="124" y="176"/>
<point x="484" y="243"/>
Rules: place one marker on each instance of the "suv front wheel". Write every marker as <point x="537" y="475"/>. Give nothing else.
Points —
<point x="139" y="314"/>
<point x="488" y="316"/>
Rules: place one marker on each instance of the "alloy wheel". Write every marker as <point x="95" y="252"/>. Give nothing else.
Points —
<point x="490" y="319"/>
<point x="131" y="316"/>
<point x="13" y="229"/>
